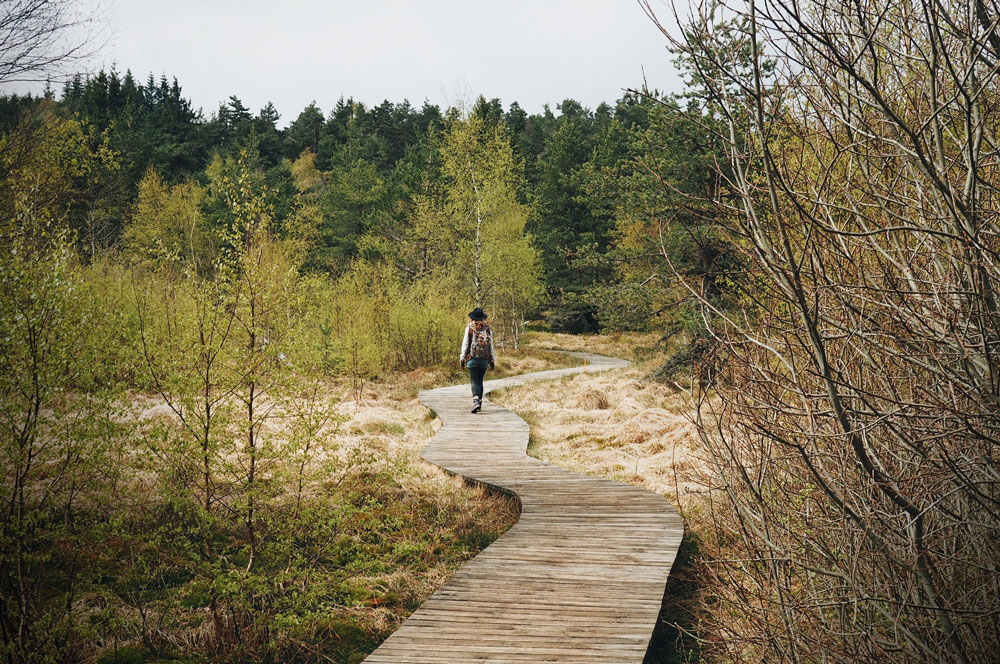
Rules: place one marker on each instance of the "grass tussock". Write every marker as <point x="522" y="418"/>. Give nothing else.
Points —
<point x="594" y="400"/>
<point x="614" y="424"/>
<point x="635" y="347"/>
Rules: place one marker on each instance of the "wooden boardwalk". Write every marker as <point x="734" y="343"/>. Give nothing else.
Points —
<point x="579" y="578"/>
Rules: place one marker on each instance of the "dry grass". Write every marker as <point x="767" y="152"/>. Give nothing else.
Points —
<point x="630" y="346"/>
<point x="405" y="386"/>
<point x="390" y="421"/>
<point x="616" y="424"/>
<point x="619" y="424"/>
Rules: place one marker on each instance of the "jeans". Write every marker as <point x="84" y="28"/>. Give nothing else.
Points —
<point x="477" y="369"/>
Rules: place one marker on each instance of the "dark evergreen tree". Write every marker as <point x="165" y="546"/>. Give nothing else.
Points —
<point x="490" y="111"/>
<point x="269" y="139"/>
<point x="565" y="227"/>
<point x="516" y="119"/>
<point x="14" y="108"/>
<point x="145" y="125"/>
<point x="230" y="127"/>
<point x="304" y="133"/>
<point x="429" y="118"/>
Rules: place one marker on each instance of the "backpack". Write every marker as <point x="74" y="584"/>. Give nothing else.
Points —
<point x="479" y="346"/>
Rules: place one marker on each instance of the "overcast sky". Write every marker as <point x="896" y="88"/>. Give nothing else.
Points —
<point x="292" y="52"/>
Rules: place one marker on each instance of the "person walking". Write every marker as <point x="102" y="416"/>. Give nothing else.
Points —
<point x="478" y="352"/>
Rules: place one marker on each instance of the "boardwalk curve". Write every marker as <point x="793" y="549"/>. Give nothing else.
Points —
<point x="579" y="578"/>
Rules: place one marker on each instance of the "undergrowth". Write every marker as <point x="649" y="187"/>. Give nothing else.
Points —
<point x="367" y="536"/>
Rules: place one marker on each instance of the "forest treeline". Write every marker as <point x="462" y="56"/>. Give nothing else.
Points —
<point x="357" y="180"/>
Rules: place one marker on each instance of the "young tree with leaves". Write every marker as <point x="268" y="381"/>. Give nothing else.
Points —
<point x="56" y="404"/>
<point x="484" y="220"/>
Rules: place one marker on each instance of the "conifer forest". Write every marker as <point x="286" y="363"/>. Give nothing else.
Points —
<point x="214" y="324"/>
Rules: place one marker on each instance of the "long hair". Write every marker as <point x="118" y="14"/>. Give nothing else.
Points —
<point x="478" y="325"/>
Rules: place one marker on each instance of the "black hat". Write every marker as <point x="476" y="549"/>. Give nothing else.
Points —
<point x="477" y="314"/>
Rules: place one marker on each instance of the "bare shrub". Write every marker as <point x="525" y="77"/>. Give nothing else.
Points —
<point x="856" y="411"/>
<point x="41" y="38"/>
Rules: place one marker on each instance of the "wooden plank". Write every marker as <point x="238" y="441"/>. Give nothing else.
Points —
<point x="579" y="578"/>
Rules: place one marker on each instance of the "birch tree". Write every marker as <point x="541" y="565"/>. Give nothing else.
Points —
<point x="494" y="262"/>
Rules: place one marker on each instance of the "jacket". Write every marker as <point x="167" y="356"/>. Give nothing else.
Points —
<point x="466" y="342"/>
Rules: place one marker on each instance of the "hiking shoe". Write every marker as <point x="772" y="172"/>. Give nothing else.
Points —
<point x="476" y="404"/>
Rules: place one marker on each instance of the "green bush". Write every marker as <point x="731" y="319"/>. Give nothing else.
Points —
<point x="623" y="307"/>
<point x="129" y="654"/>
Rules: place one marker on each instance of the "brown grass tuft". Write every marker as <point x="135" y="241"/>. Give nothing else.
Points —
<point x="594" y="400"/>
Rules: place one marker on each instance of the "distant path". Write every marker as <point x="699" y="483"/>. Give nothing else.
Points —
<point x="579" y="578"/>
